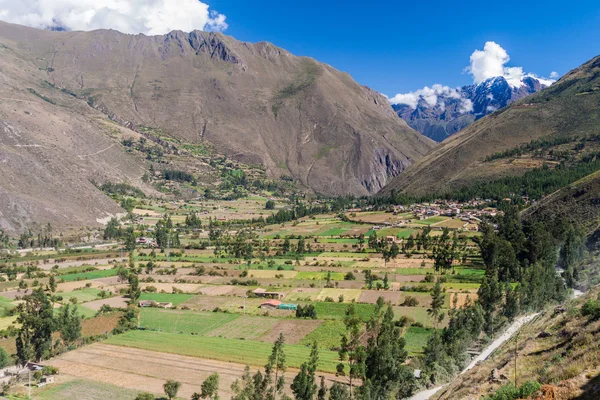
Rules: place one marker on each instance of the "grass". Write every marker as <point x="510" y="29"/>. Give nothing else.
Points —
<point x="82" y="389"/>
<point x="327" y="335"/>
<point x="349" y="294"/>
<point x="82" y="296"/>
<point x="307" y="275"/>
<point x="176" y="299"/>
<point x="222" y="349"/>
<point x="416" y="339"/>
<point x="333" y="232"/>
<point x="430" y="221"/>
<point x="89" y="275"/>
<point x="414" y="271"/>
<point x="83" y="311"/>
<point x="5" y="305"/>
<point x="178" y="321"/>
<point x="337" y="310"/>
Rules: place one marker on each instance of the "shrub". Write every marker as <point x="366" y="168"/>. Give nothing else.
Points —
<point x="591" y="309"/>
<point x="410" y="301"/>
<point x="145" y="396"/>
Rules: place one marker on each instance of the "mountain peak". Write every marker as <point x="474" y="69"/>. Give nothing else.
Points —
<point x="446" y="112"/>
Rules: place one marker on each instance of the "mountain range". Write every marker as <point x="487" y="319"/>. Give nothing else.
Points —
<point x="455" y="109"/>
<point x="555" y="125"/>
<point x="67" y="98"/>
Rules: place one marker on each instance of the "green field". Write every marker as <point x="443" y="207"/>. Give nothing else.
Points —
<point x="416" y="338"/>
<point x="318" y="276"/>
<point x="337" y="310"/>
<point x="88" y="275"/>
<point x="5" y="305"/>
<point x="176" y="299"/>
<point x="82" y="295"/>
<point x="327" y="335"/>
<point x="81" y="389"/>
<point x="414" y="271"/>
<point x="222" y="349"/>
<point x="333" y="232"/>
<point x="179" y="321"/>
<point x="430" y="221"/>
<point x="81" y="310"/>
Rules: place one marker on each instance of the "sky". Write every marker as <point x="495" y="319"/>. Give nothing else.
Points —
<point x="391" y="46"/>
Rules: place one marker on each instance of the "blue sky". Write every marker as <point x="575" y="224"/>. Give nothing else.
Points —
<point x="391" y="46"/>
<point x="400" y="46"/>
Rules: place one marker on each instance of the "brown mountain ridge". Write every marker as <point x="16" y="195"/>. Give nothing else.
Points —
<point x="257" y="103"/>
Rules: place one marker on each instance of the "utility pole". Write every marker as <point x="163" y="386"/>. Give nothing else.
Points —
<point x="516" y="356"/>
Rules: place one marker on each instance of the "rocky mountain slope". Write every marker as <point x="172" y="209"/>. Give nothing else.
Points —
<point x="458" y="109"/>
<point x="558" y="351"/>
<point x="509" y="141"/>
<point x="63" y="93"/>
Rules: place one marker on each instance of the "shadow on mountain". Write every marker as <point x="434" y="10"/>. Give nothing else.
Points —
<point x="591" y="390"/>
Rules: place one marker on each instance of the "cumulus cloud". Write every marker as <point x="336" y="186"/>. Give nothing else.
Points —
<point x="150" y="17"/>
<point x="428" y="94"/>
<point x="491" y="63"/>
<point x="484" y="64"/>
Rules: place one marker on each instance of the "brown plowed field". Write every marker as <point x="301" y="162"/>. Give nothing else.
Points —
<point x="147" y="370"/>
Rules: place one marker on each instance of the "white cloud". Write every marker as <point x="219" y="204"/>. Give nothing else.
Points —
<point x="428" y="94"/>
<point x="491" y="63"/>
<point x="554" y="75"/>
<point x="466" y="106"/>
<point x="151" y="17"/>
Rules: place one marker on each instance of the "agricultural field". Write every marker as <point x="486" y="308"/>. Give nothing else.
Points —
<point x="217" y="321"/>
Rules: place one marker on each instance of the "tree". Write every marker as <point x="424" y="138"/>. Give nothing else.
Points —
<point x="351" y="348"/>
<point x="437" y="302"/>
<point x="130" y="240"/>
<point x="134" y="290"/>
<point x="36" y="316"/>
<point x="171" y="388"/>
<point x="386" y="282"/>
<point x="286" y="246"/>
<point x="372" y="242"/>
<point x="270" y="205"/>
<point x="52" y="284"/>
<point x="339" y="392"/>
<point x="385" y="372"/>
<point x="275" y="369"/>
<point x="4" y="358"/>
<point x="210" y="388"/>
<point x="305" y="386"/>
<point x="70" y="324"/>
<point x="322" y="394"/>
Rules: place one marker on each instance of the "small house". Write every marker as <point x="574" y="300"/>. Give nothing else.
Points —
<point x="46" y="380"/>
<point x="146" y="303"/>
<point x="259" y="292"/>
<point x="270" y="305"/>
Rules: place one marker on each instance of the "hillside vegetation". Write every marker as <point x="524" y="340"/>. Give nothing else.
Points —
<point x="558" y="353"/>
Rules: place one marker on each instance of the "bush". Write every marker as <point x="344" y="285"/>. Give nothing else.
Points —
<point x="349" y="277"/>
<point x="410" y="301"/>
<point x="145" y="396"/>
<point x="329" y="299"/>
<point x="49" y="370"/>
<point x="591" y="309"/>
